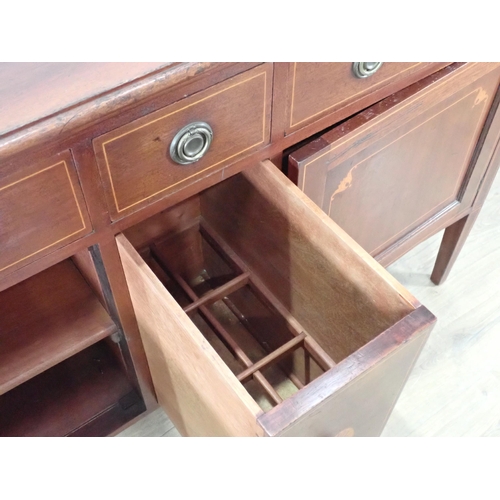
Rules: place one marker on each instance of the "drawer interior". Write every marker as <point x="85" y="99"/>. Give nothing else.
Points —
<point x="278" y="302"/>
<point x="262" y="344"/>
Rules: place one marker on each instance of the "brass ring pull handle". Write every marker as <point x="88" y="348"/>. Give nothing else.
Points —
<point x="365" y="69"/>
<point x="191" y="143"/>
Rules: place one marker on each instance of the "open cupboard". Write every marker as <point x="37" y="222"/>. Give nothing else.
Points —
<point x="62" y="369"/>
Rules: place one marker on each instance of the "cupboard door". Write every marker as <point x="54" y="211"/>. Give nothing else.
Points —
<point x="404" y="161"/>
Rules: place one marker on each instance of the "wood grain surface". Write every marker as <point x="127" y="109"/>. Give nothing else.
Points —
<point x="73" y="118"/>
<point x="320" y="280"/>
<point x="359" y="393"/>
<point x="453" y="389"/>
<point x="310" y="265"/>
<point x="32" y="91"/>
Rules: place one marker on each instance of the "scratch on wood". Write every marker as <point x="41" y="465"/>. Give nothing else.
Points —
<point x="482" y="95"/>
<point x="345" y="183"/>
<point x="347" y="432"/>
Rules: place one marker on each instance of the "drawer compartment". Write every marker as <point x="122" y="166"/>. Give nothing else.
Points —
<point x="317" y="89"/>
<point x="41" y="208"/>
<point x="234" y="310"/>
<point x="135" y="161"/>
<point x="259" y="316"/>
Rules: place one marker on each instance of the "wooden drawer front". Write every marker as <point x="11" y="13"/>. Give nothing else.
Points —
<point x="41" y="208"/>
<point x="135" y="162"/>
<point x="396" y="165"/>
<point x="260" y="317"/>
<point x="316" y="89"/>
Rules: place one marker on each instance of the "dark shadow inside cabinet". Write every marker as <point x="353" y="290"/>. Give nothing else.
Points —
<point x="62" y="370"/>
<point x="240" y="269"/>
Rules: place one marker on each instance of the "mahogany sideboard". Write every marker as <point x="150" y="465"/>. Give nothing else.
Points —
<point x="211" y="237"/>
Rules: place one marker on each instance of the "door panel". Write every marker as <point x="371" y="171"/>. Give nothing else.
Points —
<point x="396" y="165"/>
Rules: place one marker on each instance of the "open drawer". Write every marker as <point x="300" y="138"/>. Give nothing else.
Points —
<point x="261" y="317"/>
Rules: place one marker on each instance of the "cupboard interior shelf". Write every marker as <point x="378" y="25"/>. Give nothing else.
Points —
<point x="45" y="320"/>
<point x="88" y="394"/>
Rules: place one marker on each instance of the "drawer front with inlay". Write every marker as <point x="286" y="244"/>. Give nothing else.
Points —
<point x="260" y="317"/>
<point x="317" y="89"/>
<point x="164" y="151"/>
<point x="41" y="209"/>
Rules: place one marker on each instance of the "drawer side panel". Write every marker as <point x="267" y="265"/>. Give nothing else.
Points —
<point x="194" y="386"/>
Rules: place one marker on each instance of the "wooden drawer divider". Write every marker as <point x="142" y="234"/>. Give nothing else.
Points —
<point x="245" y="277"/>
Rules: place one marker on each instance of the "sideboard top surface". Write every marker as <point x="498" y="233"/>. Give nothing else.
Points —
<point x="32" y="91"/>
